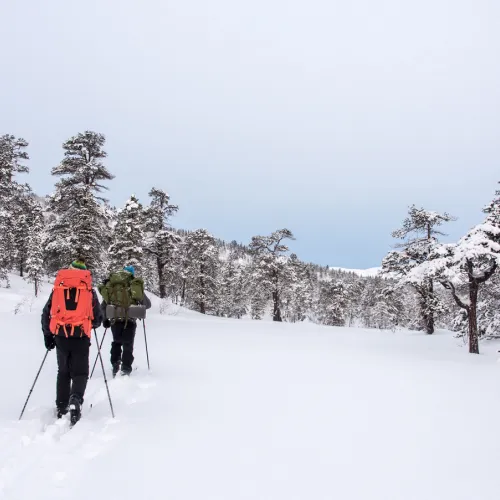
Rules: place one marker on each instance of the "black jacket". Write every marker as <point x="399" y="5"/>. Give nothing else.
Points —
<point x="144" y="302"/>
<point x="96" y="323"/>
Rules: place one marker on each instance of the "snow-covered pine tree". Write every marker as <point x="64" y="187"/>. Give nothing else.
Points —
<point x="466" y="266"/>
<point x="333" y="303"/>
<point x="240" y="302"/>
<point x="34" y="260"/>
<point x="22" y="217"/>
<point x="392" y="302"/>
<point x="258" y="303"/>
<point x="110" y="216"/>
<point x="488" y="312"/>
<point x="420" y="234"/>
<point x="231" y="292"/>
<point x="202" y="266"/>
<point x="176" y="271"/>
<point x="223" y="296"/>
<point x="128" y="238"/>
<point x="179" y="284"/>
<point x="369" y="297"/>
<point x="79" y="223"/>
<point x="380" y="315"/>
<point x="161" y="242"/>
<point x="299" y="295"/>
<point x="270" y="265"/>
<point x="12" y="154"/>
<point x="355" y="291"/>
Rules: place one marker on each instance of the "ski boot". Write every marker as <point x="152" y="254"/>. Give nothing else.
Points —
<point x="75" y="409"/>
<point x="61" y="409"/>
<point x="116" y="368"/>
<point x="126" y="371"/>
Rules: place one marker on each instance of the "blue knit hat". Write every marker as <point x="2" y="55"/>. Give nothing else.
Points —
<point x="130" y="269"/>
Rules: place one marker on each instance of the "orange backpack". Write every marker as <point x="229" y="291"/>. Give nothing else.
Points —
<point x="72" y="303"/>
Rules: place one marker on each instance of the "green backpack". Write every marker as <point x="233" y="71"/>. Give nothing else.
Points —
<point x="122" y="290"/>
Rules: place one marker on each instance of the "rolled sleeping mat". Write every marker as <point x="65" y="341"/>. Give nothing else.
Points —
<point x="133" y="312"/>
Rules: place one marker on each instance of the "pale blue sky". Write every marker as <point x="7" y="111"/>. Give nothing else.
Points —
<point x="327" y="117"/>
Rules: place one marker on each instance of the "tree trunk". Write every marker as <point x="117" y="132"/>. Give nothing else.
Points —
<point x="183" y="294"/>
<point x="36" y="287"/>
<point x="470" y="308"/>
<point x="276" y="298"/>
<point x="429" y="324"/>
<point x="426" y="293"/>
<point x="202" y="289"/>
<point x="276" y="307"/>
<point x="473" y="334"/>
<point x="163" y="288"/>
<point x="429" y="312"/>
<point x="21" y="270"/>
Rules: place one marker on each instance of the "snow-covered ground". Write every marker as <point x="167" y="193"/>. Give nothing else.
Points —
<point x="254" y="410"/>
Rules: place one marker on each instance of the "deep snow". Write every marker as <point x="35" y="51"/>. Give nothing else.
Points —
<point x="254" y="410"/>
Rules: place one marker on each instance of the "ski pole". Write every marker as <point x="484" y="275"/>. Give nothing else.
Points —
<point x="146" y="342"/>
<point x="104" y="373"/>
<point x="33" y="386"/>
<point x="97" y="355"/>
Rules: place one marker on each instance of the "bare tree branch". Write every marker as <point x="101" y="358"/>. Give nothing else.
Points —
<point x="450" y="286"/>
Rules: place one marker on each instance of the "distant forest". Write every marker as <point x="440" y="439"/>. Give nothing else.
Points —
<point x="423" y="284"/>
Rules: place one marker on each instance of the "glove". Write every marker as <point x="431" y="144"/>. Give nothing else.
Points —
<point x="50" y="342"/>
<point x="106" y="323"/>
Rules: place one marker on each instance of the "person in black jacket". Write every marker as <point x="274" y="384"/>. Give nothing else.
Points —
<point x="72" y="354"/>
<point x="123" y="330"/>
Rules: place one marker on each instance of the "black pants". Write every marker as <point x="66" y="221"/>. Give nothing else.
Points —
<point x="123" y="337"/>
<point x="73" y="368"/>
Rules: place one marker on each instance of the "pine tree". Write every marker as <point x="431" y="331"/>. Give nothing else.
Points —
<point x="420" y="232"/>
<point x="355" y="292"/>
<point x="368" y="299"/>
<point x="128" y="237"/>
<point x="162" y="242"/>
<point x="466" y="266"/>
<point x="79" y="220"/>
<point x="12" y="154"/>
<point x="231" y="292"/>
<point x="391" y="302"/>
<point x="333" y="303"/>
<point x="240" y="304"/>
<point x="298" y="295"/>
<point x="176" y="272"/>
<point x="488" y="314"/>
<point x="202" y="265"/>
<point x="258" y="299"/>
<point x="224" y="294"/>
<point x="34" y="260"/>
<point x="271" y="265"/>
<point x="23" y="218"/>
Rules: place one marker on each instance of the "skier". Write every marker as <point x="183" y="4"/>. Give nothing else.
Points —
<point x="67" y="321"/>
<point x="124" y="292"/>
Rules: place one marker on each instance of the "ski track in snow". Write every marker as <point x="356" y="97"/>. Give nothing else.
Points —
<point x="55" y="451"/>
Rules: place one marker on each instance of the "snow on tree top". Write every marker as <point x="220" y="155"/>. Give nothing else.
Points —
<point x="131" y="204"/>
